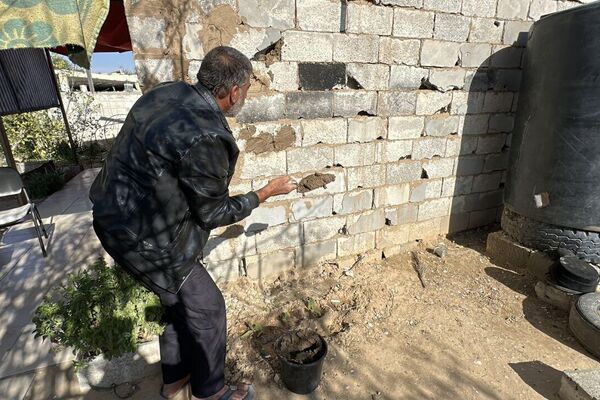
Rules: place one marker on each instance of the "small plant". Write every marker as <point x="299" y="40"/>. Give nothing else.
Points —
<point x="40" y="185"/>
<point x="100" y="310"/>
<point x="313" y="307"/>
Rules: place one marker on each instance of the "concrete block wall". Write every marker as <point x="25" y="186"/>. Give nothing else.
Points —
<point x="408" y="103"/>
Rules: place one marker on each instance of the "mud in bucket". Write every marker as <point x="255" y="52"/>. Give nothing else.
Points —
<point x="301" y="355"/>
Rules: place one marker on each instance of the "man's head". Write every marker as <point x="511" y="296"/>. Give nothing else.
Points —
<point x="226" y="73"/>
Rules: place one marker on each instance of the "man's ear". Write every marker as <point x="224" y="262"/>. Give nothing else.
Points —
<point x="234" y="94"/>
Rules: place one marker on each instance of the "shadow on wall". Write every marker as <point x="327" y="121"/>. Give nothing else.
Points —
<point x="487" y="115"/>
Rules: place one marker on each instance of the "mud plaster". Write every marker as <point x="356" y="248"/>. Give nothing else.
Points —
<point x="266" y="142"/>
<point x="314" y="181"/>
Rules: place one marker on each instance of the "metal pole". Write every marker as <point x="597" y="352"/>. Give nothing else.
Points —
<point x="10" y="159"/>
<point x="62" y="108"/>
<point x="90" y="81"/>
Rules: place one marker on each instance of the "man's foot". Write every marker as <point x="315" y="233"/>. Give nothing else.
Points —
<point x="241" y="391"/>
<point x="168" y="391"/>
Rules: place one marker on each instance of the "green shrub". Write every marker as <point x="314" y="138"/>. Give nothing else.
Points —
<point x="101" y="310"/>
<point x="44" y="184"/>
<point x="33" y="136"/>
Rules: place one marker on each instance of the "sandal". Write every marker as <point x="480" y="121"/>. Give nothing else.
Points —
<point x="162" y="390"/>
<point x="232" y="389"/>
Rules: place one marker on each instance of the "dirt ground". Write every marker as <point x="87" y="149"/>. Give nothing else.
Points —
<point x="475" y="331"/>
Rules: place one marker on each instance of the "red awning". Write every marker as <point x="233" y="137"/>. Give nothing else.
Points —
<point x="114" y="35"/>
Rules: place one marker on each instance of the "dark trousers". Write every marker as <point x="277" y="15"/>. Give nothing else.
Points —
<point x="195" y="334"/>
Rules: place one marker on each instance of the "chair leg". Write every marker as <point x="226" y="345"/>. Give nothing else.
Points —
<point x="39" y="217"/>
<point x="38" y="232"/>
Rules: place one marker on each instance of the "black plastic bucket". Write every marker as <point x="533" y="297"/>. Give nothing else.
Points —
<point x="301" y="378"/>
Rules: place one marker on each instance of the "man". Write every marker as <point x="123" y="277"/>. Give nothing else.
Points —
<point x="162" y="189"/>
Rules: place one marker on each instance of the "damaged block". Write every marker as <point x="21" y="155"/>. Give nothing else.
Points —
<point x="366" y="129"/>
<point x="431" y="102"/>
<point x="355" y="154"/>
<point x="322" y="229"/>
<point x="441" y="125"/>
<point x="439" y="168"/>
<point x="254" y="40"/>
<point x="436" y="53"/>
<point x="309" y="159"/>
<point x="368" y="18"/>
<point x="429" y="148"/>
<point x="393" y="103"/>
<point x="369" y="76"/>
<point x="355" y="102"/>
<point x="390" y="151"/>
<point x="405" y="77"/>
<point x="486" y="30"/>
<point x="309" y="105"/>
<point x="402" y="172"/>
<point x="262" y="108"/>
<point x="268" y="13"/>
<point x="446" y="79"/>
<point x="314" y="76"/>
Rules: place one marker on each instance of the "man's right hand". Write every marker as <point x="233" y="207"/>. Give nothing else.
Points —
<point x="276" y="187"/>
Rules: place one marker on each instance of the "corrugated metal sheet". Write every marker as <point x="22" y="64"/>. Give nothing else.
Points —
<point x="26" y="82"/>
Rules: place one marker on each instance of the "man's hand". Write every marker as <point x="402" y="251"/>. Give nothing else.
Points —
<point x="276" y="187"/>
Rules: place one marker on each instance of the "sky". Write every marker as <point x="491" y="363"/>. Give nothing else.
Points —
<point x="109" y="62"/>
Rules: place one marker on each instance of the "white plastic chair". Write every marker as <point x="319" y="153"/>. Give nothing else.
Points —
<point x="11" y="184"/>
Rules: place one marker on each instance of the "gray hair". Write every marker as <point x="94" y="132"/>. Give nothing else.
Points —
<point x="222" y="69"/>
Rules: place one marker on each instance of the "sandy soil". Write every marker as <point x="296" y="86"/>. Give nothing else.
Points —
<point x="475" y="331"/>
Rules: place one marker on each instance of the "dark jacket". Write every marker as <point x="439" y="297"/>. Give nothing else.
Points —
<point x="164" y="184"/>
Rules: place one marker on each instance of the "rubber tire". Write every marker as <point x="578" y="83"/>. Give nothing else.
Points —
<point x="549" y="238"/>
<point x="584" y="322"/>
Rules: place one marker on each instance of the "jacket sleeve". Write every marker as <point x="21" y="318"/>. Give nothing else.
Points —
<point x="203" y="177"/>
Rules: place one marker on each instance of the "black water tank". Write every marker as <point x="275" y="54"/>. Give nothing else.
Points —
<point x="553" y="179"/>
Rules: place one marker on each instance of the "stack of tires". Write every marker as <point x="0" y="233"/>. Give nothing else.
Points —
<point x="552" y="193"/>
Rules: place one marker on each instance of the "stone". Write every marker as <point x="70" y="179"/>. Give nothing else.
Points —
<point x="445" y="80"/>
<point x="551" y="294"/>
<point x="322" y="229"/>
<point x="254" y="40"/>
<point x="475" y="55"/>
<point x="366" y="177"/>
<point x="317" y="76"/>
<point x="449" y="6"/>
<point x="392" y="103"/>
<point x="148" y="32"/>
<point x="355" y="154"/>
<point x="441" y="125"/>
<point x="402" y="172"/>
<point x="369" y="76"/>
<point x="431" y="102"/>
<point x="265" y="164"/>
<point x="506" y="56"/>
<point x="467" y="102"/>
<point x="429" y="189"/>
<point x="496" y="162"/>
<point x="349" y="203"/>
<point x="356" y="244"/>
<point x="479" y="8"/>
<point x="436" y="53"/>
<point x="312" y="254"/>
<point x="508" y="79"/>
<point x="318" y="15"/>
<point x="402" y="3"/>
<point x="366" y="222"/>
<point x="337" y="186"/>
<point x="355" y="48"/>
<point x="284" y="76"/>
<point x="330" y="131"/>
<point x="516" y="33"/>
<point x="402" y="128"/>
<point x="429" y="148"/>
<point x="295" y="47"/>
<point x="264" y="216"/>
<point x="309" y="105"/>
<point x="153" y="71"/>
<point x="309" y="159"/>
<point x="391" y="151"/>
<point x="399" y="51"/>
<point x="392" y="195"/>
<point x="370" y="19"/>
<point x="513" y="9"/>
<point x="474" y="124"/>
<point x="413" y="23"/>
<point x="487" y="182"/>
<point x="439" y="167"/>
<point x="263" y="266"/>
<point x="276" y="14"/>
<point x="453" y="146"/>
<point x="580" y="384"/>
<point x="192" y="45"/>
<point x="451" y="27"/>
<point x="434" y="209"/>
<point x="269" y="107"/>
<point x="538" y="8"/>
<point x="391" y="217"/>
<point x="355" y="102"/>
<point x="392" y="236"/>
<point x="314" y="207"/>
<point x="366" y="129"/>
<point x="497" y="102"/>
<point x="486" y="30"/>
<point x="406" y="77"/>
<point x="480" y="80"/>
<point x="422" y="230"/>
<point x="456" y="186"/>
<point x="278" y="237"/>
<point x="502" y="123"/>
<point x="440" y="250"/>
<point x="407" y="213"/>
